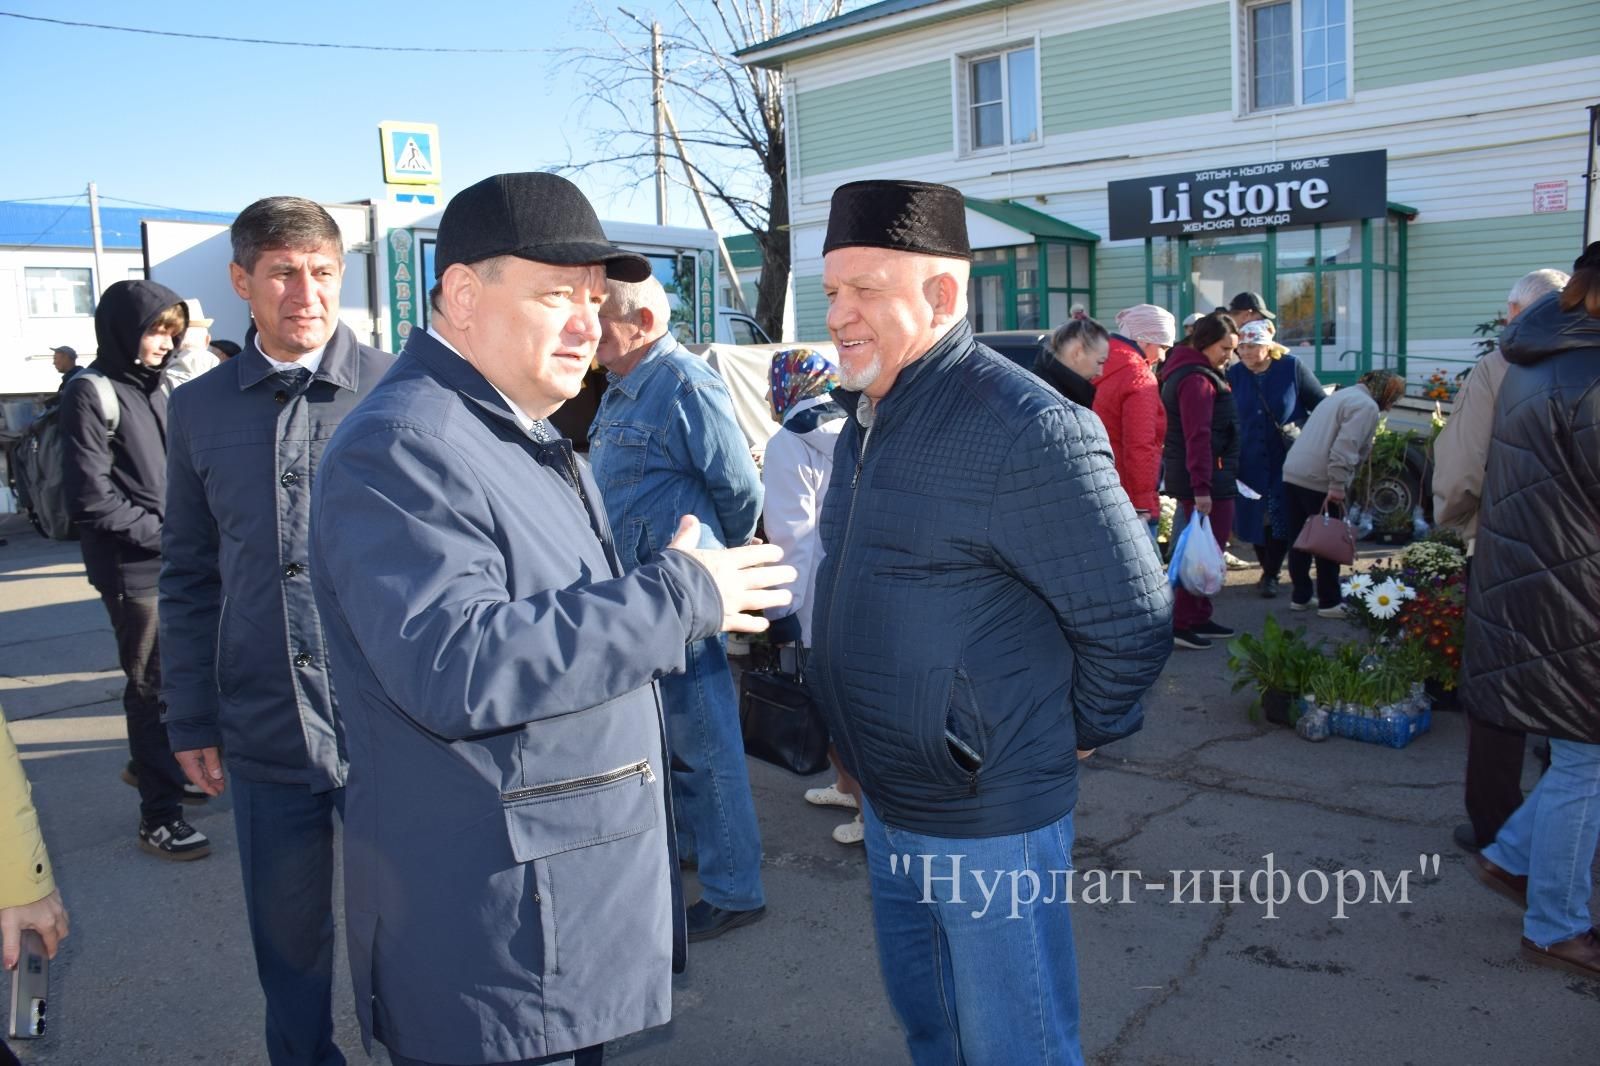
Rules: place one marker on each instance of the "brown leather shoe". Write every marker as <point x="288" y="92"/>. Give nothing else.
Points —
<point x="1509" y="885"/>
<point x="1579" y="955"/>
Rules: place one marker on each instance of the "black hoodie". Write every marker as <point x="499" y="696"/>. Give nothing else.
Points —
<point x="115" y="485"/>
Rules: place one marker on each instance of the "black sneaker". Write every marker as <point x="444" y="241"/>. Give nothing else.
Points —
<point x="192" y="794"/>
<point x="1212" y="629"/>
<point x="176" y="840"/>
<point x="1268" y="586"/>
<point x="1188" y="638"/>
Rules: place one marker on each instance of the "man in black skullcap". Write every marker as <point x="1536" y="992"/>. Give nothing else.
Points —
<point x="988" y="605"/>
<point x="511" y="895"/>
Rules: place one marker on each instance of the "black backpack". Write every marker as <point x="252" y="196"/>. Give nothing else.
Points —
<point x="37" y="460"/>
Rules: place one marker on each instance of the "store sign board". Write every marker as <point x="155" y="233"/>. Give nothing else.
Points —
<point x="406" y="289"/>
<point x="1242" y="198"/>
<point x="1549" y="196"/>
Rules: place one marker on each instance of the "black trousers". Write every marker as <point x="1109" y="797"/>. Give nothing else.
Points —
<point x="1303" y="503"/>
<point x="133" y="619"/>
<point x="1494" y="777"/>
<point x="1271" y="555"/>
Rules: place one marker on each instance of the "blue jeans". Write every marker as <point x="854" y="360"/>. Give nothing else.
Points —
<point x="286" y="855"/>
<point x="716" y="814"/>
<point x="1551" y="839"/>
<point x="987" y="991"/>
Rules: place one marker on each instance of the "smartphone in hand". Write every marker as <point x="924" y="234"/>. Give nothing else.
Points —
<point x="30" y="985"/>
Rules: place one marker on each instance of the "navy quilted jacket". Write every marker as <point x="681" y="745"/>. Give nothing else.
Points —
<point x="989" y="601"/>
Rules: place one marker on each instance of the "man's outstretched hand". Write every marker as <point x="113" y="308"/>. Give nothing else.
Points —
<point x="746" y="577"/>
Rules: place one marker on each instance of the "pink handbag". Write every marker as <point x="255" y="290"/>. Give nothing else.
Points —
<point x="1328" y="538"/>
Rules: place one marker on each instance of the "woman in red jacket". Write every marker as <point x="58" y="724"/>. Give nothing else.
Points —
<point x="1128" y="401"/>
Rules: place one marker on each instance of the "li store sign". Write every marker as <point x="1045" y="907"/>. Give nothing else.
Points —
<point x="1251" y="196"/>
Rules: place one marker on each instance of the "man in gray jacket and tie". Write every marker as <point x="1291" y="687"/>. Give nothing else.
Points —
<point x="246" y="668"/>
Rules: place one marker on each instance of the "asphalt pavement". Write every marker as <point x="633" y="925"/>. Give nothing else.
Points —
<point x="1173" y="969"/>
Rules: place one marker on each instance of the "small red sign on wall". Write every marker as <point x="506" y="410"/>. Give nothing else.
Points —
<point x="1549" y="196"/>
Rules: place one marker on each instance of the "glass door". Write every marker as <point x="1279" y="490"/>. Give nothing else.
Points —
<point x="1219" y="268"/>
<point x="988" y="297"/>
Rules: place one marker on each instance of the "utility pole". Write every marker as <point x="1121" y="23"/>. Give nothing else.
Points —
<point x="659" y="102"/>
<point x="705" y="210"/>
<point x="94" y="229"/>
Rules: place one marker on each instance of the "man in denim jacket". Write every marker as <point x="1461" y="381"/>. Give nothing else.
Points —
<point x="665" y="444"/>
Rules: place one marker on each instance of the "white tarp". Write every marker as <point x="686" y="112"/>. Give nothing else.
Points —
<point x="746" y="371"/>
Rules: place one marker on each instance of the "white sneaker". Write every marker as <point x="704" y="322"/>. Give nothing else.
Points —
<point x="1296" y="605"/>
<point x="850" y="832"/>
<point x="831" y="797"/>
<point x="1233" y="562"/>
<point x="1336" y="611"/>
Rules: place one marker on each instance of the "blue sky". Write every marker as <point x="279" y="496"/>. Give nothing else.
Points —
<point x="212" y="126"/>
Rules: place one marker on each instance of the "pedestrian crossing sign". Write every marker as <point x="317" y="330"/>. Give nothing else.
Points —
<point x="410" y="152"/>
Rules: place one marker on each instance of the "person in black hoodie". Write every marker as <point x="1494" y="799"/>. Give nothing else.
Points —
<point x="1074" y="358"/>
<point x="116" y="486"/>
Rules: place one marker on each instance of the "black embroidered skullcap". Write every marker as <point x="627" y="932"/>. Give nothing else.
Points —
<point x="908" y="216"/>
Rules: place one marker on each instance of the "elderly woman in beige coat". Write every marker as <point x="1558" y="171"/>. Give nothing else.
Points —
<point x="1320" y="469"/>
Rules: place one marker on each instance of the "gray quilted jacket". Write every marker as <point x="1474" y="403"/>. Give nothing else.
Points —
<point x="1532" y="654"/>
<point x="988" y="603"/>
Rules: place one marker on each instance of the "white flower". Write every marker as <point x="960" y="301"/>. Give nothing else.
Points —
<point x="1405" y="590"/>
<point x="1383" y="600"/>
<point x="1359" y="583"/>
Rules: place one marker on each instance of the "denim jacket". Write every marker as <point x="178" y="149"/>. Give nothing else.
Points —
<point x="665" y="444"/>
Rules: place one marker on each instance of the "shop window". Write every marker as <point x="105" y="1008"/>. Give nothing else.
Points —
<point x="59" y="292"/>
<point x="1001" y="105"/>
<point x="1030" y="286"/>
<point x="1294" y="52"/>
<point x="1338" y="289"/>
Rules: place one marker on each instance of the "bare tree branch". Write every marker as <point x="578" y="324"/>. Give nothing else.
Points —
<point x="729" y="116"/>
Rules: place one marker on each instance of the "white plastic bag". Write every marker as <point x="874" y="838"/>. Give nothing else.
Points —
<point x="1202" y="571"/>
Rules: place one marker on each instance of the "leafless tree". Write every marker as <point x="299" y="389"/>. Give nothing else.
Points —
<point x="729" y="116"/>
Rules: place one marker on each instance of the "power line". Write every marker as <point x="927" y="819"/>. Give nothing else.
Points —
<point x="41" y="199"/>
<point x="260" y="40"/>
<point x="161" y="207"/>
<point x="56" y="222"/>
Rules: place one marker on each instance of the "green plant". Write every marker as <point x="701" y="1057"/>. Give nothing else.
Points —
<point x="1448" y="537"/>
<point x="1396" y="521"/>
<point x="1386" y="459"/>
<point x="1490" y="332"/>
<point x="1279" y="659"/>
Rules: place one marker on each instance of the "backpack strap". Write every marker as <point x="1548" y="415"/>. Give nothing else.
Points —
<point x="110" y="409"/>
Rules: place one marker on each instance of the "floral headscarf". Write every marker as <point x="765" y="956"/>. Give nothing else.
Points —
<point x="799" y="374"/>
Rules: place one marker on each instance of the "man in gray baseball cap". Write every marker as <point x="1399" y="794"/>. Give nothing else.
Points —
<point x="511" y="889"/>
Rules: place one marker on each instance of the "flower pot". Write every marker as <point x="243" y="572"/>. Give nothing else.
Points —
<point x="1275" y="704"/>
<point x="1443" y="699"/>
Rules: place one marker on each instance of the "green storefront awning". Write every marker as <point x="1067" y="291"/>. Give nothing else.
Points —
<point x="1028" y="220"/>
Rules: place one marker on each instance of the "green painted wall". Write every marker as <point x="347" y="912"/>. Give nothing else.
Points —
<point x="1399" y="42"/>
<point x="1459" y="272"/>
<point x="894" y="115"/>
<point x="1131" y="71"/>
<point x="810" y="308"/>
<point x="1119" y="280"/>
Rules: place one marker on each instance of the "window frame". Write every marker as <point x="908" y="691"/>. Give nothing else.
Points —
<point x="961" y="76"/>
<point x="27" y="291"/>
<point x="1243" y="59"/>
<point x="1077" y="290"/>
<point x="1373" y="268"/>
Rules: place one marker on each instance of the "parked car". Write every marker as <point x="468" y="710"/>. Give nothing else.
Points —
<point x="1021" y="346"/>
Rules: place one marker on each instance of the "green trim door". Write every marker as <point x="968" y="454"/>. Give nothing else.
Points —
<point x="991" y="301"/>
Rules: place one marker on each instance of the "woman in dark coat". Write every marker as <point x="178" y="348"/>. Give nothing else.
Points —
<point x="1275" y="393"/>
<point x="1074" y="357"/>
<point x="1200" y="460"/>
<point x="1532" y="653"/>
